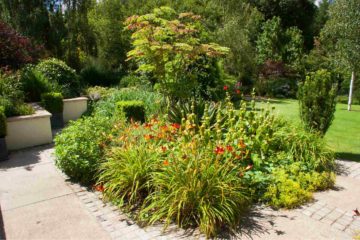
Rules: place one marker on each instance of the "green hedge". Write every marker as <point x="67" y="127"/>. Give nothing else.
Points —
<point x="134" y="110"/>
<point x="53" y="102"/>
<point x="2" y="122"/>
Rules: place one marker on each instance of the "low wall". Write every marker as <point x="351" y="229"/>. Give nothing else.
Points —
<point x="29" y="130"/>
<point x="74" y="108"/>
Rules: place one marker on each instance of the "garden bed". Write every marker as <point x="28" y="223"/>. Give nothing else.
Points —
<point x="74" y="108"/>
<point x="30" y="130"/>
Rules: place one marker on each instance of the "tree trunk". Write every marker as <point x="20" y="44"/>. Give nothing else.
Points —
<point x="351" y="90"/>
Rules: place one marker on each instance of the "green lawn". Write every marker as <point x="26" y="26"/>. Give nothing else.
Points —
<point x="344" y="133"/>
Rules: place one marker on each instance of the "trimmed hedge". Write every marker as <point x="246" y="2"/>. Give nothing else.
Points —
<point x="2" y="122"/>
<point x="134" y="110"/>
<point x="53" y="102"/>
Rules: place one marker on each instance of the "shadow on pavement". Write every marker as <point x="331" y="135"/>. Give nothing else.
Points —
<point x="24" y="158"/>
<point x="2" y="229"/>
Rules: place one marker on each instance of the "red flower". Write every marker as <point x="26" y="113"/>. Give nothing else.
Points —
<point x="175" y="125"/>
<point x="229" y="148"/>
<point x="219" y="150"/>
<point x="163" y="148"/>
<point x="166" y="163"/>
<point x="238" y="91"/>
<point x="226" y="88"/>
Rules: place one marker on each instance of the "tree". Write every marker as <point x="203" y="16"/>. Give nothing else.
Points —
<point x="15" y="49"/>
<point x="342" y="35"/>
<point x="317" y="100"/>
<point x="298" y="13"/>
<point x="168" y="45"/>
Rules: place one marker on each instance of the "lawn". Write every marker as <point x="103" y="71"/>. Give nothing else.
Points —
<point x="344" y="133"/>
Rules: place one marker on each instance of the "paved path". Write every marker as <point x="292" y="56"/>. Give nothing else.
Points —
<point x="37" y="202"/>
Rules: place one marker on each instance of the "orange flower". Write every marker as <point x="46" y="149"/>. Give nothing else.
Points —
<point x="148" y="125"/>
<point x="219" y="150"/>
<point x="99" y="188"/>
<point x="166" y="163"/>
<point x="148" y="137"/>
<point x="229" y="148"/>
<point x="164" y="128"/>
<point x="242" y="144"/>
<point x="163" y="148"/>
<point x="238" y="91"/>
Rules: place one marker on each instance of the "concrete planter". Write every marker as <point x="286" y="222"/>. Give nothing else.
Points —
<point x="74" y="108"/>
<point x="3" y="150"/>
<point x="30" y="130"/>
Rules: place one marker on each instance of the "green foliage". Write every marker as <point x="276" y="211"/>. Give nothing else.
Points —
<point x="205" y="170"/>
<point x="97" y="92"/>
<point x="278" y="45"/>
<point x="131" y="110"/>
<point x="2" y="122"/>
<point x="96" y="74"/>
<point x="79" y="148"/>
<point x="127" y="174"/>
<point x="317" y="99"/>
<point x="34" y="84"/>
<point x="166" y="44"/>
<point x="12" y="97"/>
<point x="340" y="33"/>
<point x="286" y="192"/>
<point x="152" y="101"/>
<point x="138" y="81"/>
<point x="57" y="72"/>
<point x="53" y="102"/>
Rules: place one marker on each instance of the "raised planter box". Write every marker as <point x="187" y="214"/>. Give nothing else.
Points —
<point x="30" y="130"/>
<point x="74" y="108"/>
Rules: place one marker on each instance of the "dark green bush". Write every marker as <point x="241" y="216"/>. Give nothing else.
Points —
<point x="317" y="99"/>
<point x="79" y="148"/>
<point x="97" y="75"/>
<point x="53" y="102"/>
<point x="34" y="83"/>
<point x="134" y="110"/>
<point x="2" y="122"/>
<point x="57" y="72"/>
<point x="12" y="97"/>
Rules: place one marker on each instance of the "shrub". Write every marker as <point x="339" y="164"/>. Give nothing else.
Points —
<point x="152" y="101"/>
<point x="132" y="110"/>
<point x="286" y="192"/>
<point x="53" y="102"/>
<point x="34" y="84"/>
<point x="317" y="100"/>
<point x="95" y="74"/>
<point x="16" y="50"/>
<point x="57" y="72"/>
<point x="2" y="122"/>
<point x="79" y="148"/>
<point x="11" y="96"/>
<point x="139" y="81"/>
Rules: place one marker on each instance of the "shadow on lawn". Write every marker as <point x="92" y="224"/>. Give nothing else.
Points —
<point x="348" y="156"/>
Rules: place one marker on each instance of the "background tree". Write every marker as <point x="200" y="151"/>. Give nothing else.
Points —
<point x="342" y="37"/>
<point x="168" y="45"/>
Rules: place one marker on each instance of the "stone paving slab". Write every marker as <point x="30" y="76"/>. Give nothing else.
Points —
<point x="37" y="203"/>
